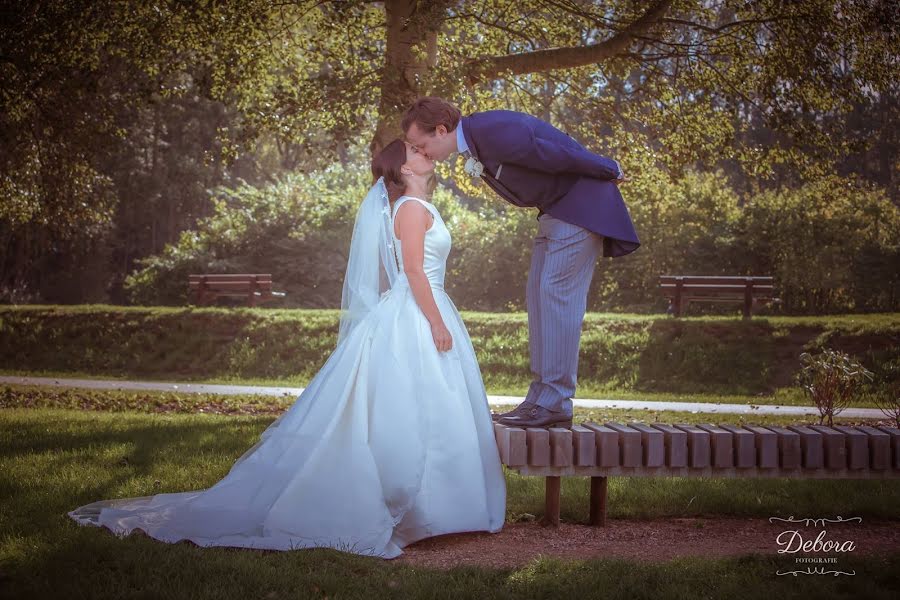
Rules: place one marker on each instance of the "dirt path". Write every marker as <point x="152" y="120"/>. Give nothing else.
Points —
<point x="654" y="540"/>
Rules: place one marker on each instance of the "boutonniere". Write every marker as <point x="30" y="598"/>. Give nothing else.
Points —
<point x="474" y="167"/>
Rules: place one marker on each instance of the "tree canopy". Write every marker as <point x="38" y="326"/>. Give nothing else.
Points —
<point x="117" y="117"/>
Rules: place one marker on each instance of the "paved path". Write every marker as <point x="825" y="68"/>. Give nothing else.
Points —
<point x="293" y="392"/>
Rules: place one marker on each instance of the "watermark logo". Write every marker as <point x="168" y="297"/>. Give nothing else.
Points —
<point x="793" y="541"/>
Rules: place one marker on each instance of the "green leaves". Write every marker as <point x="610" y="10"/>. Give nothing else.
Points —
<point x="117" y="117"/>
<point x="820" y="242"/>
<point x="831" y="379"/>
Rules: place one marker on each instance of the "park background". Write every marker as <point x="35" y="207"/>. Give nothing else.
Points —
<point x="142" y="141"/>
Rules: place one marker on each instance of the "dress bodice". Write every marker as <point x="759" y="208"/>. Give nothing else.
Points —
<point x="437" y="243"/>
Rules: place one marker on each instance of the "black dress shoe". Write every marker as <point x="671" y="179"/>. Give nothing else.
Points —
<point x="524" y="406"/>
<point x="537" y="416"/>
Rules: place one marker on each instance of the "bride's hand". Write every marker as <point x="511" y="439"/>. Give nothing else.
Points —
<point x="442" y="338"/>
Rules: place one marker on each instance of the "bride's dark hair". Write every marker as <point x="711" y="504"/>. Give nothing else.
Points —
<point x="387" y="164"/>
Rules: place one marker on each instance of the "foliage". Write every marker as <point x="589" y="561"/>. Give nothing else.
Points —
<point x="111" y="137"/>
<point x="887" y="399"/>
<point x="832" y="247"/>
<point x="686" y="226"/>
<point x="116" y="117"/>
<point x="831" y="379"/>
<point x="298" y="229"/>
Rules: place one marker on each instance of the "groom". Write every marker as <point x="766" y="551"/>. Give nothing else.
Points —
<point x="581" y="216"/>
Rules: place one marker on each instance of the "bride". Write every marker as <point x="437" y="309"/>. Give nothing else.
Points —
<point x="391" y="442"/>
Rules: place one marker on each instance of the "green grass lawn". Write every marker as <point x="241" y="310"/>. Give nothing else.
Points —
<point x="61" y="448"/>
<point x="622" y="356"/>
<point x="45" y="396"/>
<point x="53" y="460"/>
<point x="789" y="396"/>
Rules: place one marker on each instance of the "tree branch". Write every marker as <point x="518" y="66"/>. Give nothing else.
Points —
<point x="565" y="58"/>
<point x="721" y="28"/>
<point x="496" y="25"/>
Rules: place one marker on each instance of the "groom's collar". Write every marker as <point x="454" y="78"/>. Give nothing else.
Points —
<point x="461" y="144"/>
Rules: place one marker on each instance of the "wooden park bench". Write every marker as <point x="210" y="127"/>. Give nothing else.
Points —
<point x="256" y="288"/>
<point x="680" y="450"/>
<point x="684" y="289"/>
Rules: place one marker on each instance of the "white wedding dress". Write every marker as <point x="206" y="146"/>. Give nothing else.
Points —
<point x="391" y="442"/>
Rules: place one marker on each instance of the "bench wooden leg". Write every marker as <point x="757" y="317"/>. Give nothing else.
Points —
<point x="598" y="501"/>
<point x="679" y="302"/>
<point x="748" y="299"/>
<point x="551" y="501"/>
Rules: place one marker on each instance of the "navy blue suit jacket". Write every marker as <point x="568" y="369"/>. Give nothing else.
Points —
<point x="531" y="163"/>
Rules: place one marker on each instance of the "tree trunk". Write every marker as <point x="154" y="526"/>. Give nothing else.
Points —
<point x="411" y="50"/>
<point x="412" y="28"/>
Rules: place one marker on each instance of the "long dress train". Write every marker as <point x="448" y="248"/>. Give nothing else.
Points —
<point x="391" y="442"/>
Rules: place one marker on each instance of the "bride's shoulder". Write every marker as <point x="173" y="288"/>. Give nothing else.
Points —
<point x="405" y="200"/>
<point x="416" y="209"/>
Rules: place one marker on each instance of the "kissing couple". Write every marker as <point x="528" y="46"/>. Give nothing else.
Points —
<point x="393" y="440"/>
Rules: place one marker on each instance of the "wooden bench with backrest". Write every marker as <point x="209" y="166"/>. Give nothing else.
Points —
<point x="747" y="290"/>
<point x="682" y="450"/>
<point x="255" y="287"/>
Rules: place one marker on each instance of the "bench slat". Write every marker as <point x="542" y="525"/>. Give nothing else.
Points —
<point x="879" y="447"/>
<point x="789" y="450"/>
<point x="719" y="297"/>
<point x="513" y="447"/>
<point x="744" y="446"/>
<point x="230" y="276"/>
<point x="812" y="445"/>
<point x="653" y="443"/>
<point x="722" y="445"/>
<point x="835" y="446"/>
<point x="538" y="441"/>
<point x="676" y="445"/>
<point x="232" y="285"/>
<point x="857" y="447"/>
<point x="498" y="435"/>
<point x="585" y="449"/>
<point x="560" y="446"/>
<point x="608" y="451"/>
<point x="702" y="290"/>
<point x="895" y="443"/>
<point x="717" y="279"/>
<point x="630" y="440"/>
<point x="766" y="446"/>
<point x="698" y="445"/>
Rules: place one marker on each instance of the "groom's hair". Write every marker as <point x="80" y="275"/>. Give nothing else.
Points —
<point x="429" y="112"/>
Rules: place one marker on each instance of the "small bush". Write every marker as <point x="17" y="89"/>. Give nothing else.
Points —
<point x="831" y="379"/>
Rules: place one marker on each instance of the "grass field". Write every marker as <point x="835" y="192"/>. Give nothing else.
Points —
<point x="792" y="396"/>
<point x="52" y="460"/>
<point x="61" y="448"/>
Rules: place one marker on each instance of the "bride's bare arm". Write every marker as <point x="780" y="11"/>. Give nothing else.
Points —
<point x="411" y="223"/>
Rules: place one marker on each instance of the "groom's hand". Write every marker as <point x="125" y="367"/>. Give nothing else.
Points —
<point x="622" y="180"/>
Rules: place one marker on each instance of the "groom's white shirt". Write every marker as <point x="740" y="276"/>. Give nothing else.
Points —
<point x="461" y="144"/>
<point x="462" y="147"/>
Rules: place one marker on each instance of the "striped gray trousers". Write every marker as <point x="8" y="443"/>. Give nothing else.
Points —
<point x="562" y="265"/>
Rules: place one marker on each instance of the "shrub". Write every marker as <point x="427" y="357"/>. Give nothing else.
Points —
<point x="831" y="379"/>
